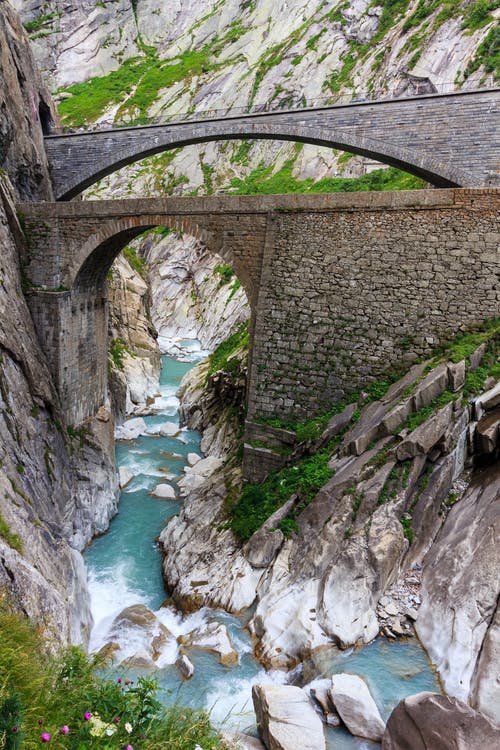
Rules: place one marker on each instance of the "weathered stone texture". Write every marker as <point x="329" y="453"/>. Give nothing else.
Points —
<point x="342" y="287"/>
<point x="454" y="138"/>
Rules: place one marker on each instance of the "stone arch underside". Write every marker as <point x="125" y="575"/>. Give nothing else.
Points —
<point x="438" y="171"/>
<point x="92" y="261"/>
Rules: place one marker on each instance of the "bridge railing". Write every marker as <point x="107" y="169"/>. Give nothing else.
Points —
<point x="286" y="104"/>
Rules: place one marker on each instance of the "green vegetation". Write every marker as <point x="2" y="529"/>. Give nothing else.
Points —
<point x="259" y="501"/>
<point x="141" y="79"/>
<point x="12" y="540"/>
<point x="223" y="358"/>
<point x="117" y="351"/>
<point x="59" y="700"/>
<point x="478" y="14"/>
<point x="422" y="415"/>
<point x="225" y="272"/>
<point x="41" y="24"/>
<point x="487" y="54"/>
<point x="135" y="261"/>
<point x="262" y="181"/>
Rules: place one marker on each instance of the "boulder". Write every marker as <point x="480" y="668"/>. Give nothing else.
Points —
<point x="131" y="429"/>
<point x="460" y="592"/>
<point x="169" y="429"/>
<point x="214" y="637"/>
<point x="165" y="491"/>
<point x="185" y="667"/>
<point x="487" y="432"/>
<point x="193" y="458"/>
<point x="456" y="375"/>
<point x="286" y="719"/>
<point x="356" y="707"/>
<point x="125" y="476"/>
<point x="431" y="386"/>
<point x="429" y="721"/>
<point x="425" y="436"/>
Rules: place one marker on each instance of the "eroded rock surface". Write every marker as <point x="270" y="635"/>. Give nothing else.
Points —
<point x="428" y="721"/>
<point x="286" y="719"/>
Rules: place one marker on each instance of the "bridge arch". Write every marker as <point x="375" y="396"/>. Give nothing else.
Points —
<point x="418" y="163"/>
<point x="91" y="262"/>
<point x="447" y="139"/>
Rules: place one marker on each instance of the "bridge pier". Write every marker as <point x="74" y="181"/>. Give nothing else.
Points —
<point x="72" y="327"/>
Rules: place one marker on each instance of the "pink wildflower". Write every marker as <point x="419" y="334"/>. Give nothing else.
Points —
<point x="45" y="737"/>
<point x="14" y="729"/>
<point x="129" y="747"/>
<point x="87" y="716"/>
<point x="64" y="729"/>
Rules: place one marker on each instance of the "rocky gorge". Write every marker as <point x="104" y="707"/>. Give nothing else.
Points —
<point x="400" y="538"/>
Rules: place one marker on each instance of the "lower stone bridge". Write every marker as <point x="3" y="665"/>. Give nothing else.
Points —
<point x="342" y="287"/>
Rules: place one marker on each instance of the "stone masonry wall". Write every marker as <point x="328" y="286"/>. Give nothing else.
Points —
<point x="343" y="287"/>
<point x="351" y="294"/>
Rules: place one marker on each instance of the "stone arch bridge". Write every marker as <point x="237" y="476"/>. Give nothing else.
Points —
<point x="448" y="139"/>
<point x="341" y="286"/>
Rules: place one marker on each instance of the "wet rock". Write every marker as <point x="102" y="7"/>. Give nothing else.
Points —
<point x="357" y="709"/>
<point x="286" y="720"/>
<point x="321" y="696"/>
<point x="165" y="491"/>
<point x="125" y="476"/>
<point x="185" y="667"/>
<point x="131" y="429"/>
<point x="137" y="615"/>
<point x="107" y="652"/>
<point x="214" y="637"/>
<point x="169" y="429"/>
<point x="429" y="721"/>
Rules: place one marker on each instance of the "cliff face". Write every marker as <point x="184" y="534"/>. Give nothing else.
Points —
<point x="24" y="102"/>
<point x="48" y="505"/>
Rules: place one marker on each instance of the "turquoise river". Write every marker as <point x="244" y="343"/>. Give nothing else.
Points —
<point x="124" y="568"/>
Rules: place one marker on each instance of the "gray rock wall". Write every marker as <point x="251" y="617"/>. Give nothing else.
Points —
<point x="56" y="491"/>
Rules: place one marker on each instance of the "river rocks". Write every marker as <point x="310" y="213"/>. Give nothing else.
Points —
<point x="286" y="719"/>
<point x="460" y="589"/>
<point x="357" y="709"/>
<point x="196" y="475"/>
<point x="193" y="458"/>
<point x="214" y="637"/>
<point x="165" y="491"/>
<point x="131" y="429"/>
<point x="125" y="476"/>
<point x="168" y="429"/>
<point x="428" y="721"/>
<point x="140" y="636"/>
<point x="185" y="667"/>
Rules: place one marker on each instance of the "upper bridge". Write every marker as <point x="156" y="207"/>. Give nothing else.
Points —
<point x="448" y="139"/>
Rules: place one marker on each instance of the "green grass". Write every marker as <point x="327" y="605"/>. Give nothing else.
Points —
<point x="223" y="357"/>
<point x="40" y="693"/>
<point x="259" y="501"/>
<point x="12" y="539"/>
<point x="116" y="353"/>
<point x="262" y="181"/>
<point x="141" y="79"/>
<point x="135" y="261"/>
<point x="487" y="54"/>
